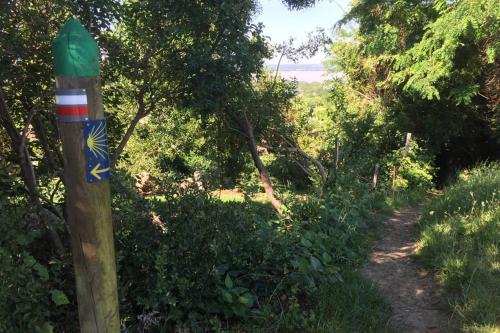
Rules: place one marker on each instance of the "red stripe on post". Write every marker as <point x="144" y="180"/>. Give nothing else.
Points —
<point x="72" y="110"/>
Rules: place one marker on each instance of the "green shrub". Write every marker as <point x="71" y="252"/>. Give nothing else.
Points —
<point x="287" y="172"/>
<point x="214" y="262"/>
<point x="192" y="261"/>
<point x="36" y="287"/>
<point x="211" y="260"/>
<point x="415" y="171"/>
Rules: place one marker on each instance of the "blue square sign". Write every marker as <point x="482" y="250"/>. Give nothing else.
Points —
<point x="95" y="141"/>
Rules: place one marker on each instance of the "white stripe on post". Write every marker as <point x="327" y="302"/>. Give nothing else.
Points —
<point x="71" y="99"/>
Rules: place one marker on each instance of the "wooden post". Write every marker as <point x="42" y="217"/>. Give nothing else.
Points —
<point x="375" y="176"/>
<point x="406" y="150"/>
<point x="394" y="175"/>
<point x="337" y="156"/>
<point x="88" y="200"/>
<point x="407" y="144"/>
<point x="337" y="152"/>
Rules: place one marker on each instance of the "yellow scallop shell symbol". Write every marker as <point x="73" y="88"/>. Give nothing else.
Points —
<point x="96" y="141"/>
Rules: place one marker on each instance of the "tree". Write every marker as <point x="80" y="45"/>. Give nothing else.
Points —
<point x="429" y="68"/>
<point x="200" y="57"/>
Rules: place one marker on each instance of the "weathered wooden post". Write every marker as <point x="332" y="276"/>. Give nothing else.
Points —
<point x="406" y="150"/>
<point x="337" y="156"/>
<point x="407" y="144"/>
<point x="375" y="176"/>
<point x="86" y="172"/>
<point x="337" y="151"/>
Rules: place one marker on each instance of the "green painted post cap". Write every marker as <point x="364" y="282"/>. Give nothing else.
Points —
<point x="75" y="51"/>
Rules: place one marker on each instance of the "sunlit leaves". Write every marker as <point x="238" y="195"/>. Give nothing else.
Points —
<point x="465" y="25"/>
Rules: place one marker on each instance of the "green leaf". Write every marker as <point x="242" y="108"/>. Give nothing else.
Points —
<point x="45" y="328"/>
<point x="246" y="299"/>
<point x="22" y="239"/>
<point x="305" y="242"/>
<point x="42" y="272"/>
<point x="490" y="55"/>
<point x="326" y="258"/>
<point x="58" y="297"/>
<point x="227" y="296"/>
<point x="29" y="261"/>
<point x="228" y="282"/>
<point x="239" y="310"/>
<point x="239" y="290"/>
<point x="316" y="264"/>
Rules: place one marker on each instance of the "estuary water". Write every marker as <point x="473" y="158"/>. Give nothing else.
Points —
<point x="302" y="72"/>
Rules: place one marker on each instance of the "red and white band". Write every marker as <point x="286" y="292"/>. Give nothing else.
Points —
<point x="71" y="105"/>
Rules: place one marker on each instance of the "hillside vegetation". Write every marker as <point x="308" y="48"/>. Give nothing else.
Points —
<point x="460" y="240"/>
<point x="240" y="201"/>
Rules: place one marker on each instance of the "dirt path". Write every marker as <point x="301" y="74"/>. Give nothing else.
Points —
<point x="410" y="291"/>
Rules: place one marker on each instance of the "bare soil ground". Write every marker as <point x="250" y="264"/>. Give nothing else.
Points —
<point x="416" y="302"/>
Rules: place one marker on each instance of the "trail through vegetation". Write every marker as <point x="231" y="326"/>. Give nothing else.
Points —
<point x="416" y="301"/>
<point x="244" y="202"/>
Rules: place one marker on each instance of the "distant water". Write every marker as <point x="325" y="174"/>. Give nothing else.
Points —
<point x="302" y="72"/>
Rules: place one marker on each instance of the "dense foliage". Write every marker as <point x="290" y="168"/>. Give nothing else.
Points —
<point x="426" y="67"/>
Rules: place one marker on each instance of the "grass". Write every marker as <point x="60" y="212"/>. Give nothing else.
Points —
<point x="352" y="306"/>
<point x="225" y="196"/>
<point x="229" y="197"/>
<point x="237" y="196"/>
<point x="459" y="239"/>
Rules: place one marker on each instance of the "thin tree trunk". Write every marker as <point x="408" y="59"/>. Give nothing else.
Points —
<point x="44" y="142"/>
<point x="141" y="108"/>
<point x="264" y="174"/>
<point x="17" y="144"/>
<point x="28" y="172"/>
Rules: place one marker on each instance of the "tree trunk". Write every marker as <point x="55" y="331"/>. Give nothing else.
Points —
<point x="28" y="172"/>
<point x="264" y="175"/>
<point x="44" y="142"/>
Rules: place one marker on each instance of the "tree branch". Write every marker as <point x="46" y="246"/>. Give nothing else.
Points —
<point x="24" y="133"/>
<point x="28" y="173"/>
<point x="306" y="170"/>
<point x="141" y="110"/>
<point x="315" y="161"/>
<point x="138" y="116"/>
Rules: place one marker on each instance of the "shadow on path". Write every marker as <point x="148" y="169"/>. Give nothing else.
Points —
<point x="416" y="303"/>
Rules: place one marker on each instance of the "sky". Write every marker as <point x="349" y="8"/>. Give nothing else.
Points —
<point x="281" y="23"/>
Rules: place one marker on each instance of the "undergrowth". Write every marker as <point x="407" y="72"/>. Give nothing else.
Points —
<point x="460" y="238"/>
<point x="195" y="263"/>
